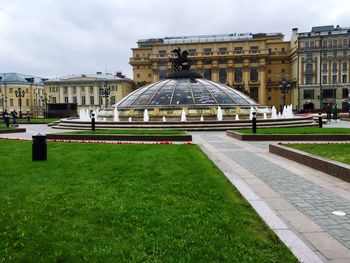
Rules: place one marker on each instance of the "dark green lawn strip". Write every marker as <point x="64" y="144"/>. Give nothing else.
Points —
<point x="336" y="152"/>
<point x="298" y="130"/>
<point x="125" y="203"/>
<point x="36" y="120"/>
<point x="4" y="127"/>
<point x="127" y="132"/>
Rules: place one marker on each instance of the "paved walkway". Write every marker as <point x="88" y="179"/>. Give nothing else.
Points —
<point x="294" y="200"/>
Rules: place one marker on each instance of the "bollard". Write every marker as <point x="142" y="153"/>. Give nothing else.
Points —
<point x="254" y="122"/>
<point x="39" y="147"/>
<point x="7" y="120"/>
<point x="93" y="121"/>
<point x="28" y="116"/>
<point x="320" y="120"/>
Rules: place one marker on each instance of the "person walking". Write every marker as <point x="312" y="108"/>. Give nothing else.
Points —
<point x="329" y="111"/>
<point x="14" y="117"/>
<point x="335" y="111"/>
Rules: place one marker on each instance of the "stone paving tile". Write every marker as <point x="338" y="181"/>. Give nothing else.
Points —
<point x="313" y="200"/>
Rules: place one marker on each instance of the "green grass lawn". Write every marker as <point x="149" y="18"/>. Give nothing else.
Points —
<point x="36" y="120"/>
<point x="125" y="203"/>
<point x="127" y="132"/>
<point x="4" y="127"/>
<point x="297" y="130"/>
<point x="337" y="152"/>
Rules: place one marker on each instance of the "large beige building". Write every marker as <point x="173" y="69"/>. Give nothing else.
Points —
<point x="255" y="63"/>
<point x="320" y="62"/>
<point x="85" y="89"/>
<point x="21" y="92"/>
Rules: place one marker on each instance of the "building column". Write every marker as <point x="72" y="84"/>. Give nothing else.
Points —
<point x="78" y="96"/>
<point x="61" y="98"/>
<point x="70" y="97"/>
<point x="246" y="77"/>
<point x="87" y="96"/>
<point x="262" y="85"/>
<point x="96" y="97"/>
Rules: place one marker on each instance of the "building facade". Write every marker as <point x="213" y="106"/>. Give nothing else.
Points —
<point x="320" y="63"/>
<point x="87" y="90"/>
<point x="21" y="92"/>
<point x="254" y="63"/>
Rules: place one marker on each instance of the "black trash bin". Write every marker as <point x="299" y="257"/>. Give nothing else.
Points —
<point x="39" y="147"/>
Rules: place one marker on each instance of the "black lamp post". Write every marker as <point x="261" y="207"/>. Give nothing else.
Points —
<point x="105" y="92"/>
<point x="20" y="94"/>
<point x="45" y="101"/>
<point x="284" y="87"/>
<point x="3" y="99"/>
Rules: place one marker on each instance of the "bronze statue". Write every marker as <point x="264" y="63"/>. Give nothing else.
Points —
<point x="182" y="62"/>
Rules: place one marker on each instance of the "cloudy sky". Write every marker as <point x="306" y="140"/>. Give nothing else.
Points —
<point x="50" y="38"/>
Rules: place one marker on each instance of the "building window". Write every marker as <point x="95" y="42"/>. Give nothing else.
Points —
<point x="334" y="79"/>
<point x="308" y="79"/>
<point x="345" y="42"/>
<point x="283" y="50"/>
<point x="222" y="50"/>
<point x="335" y="43"/>
<point x="27" y="102"/>
<point x="222" y="75"/>
<point x="309" y="68"/>
<point x="282" y="61"/>
<point x="307" y="44"/>
<point x="65" y="99"/>
<point x="324" y="54"/>
<point x="162" y="53"/>
<point x="65" y="90"/>
<point x="137" y="67"/>
<point x="238" y="61"/>
<point x="324" y="79"/>
<point x="345" y="66"/>
<point x="324" y="66"/>
<point x="162" y="74"/>
<point x="309" y="55"/>
<point x="137" y="75"/>
<point x="238" y="49"/>
<point x="283" y="70"/>
<point x="344" y="78"/>
<point x="74" y="90"/>
<point x="345" y="52"/>
<point x="335" y="54"/>
<point x="207" y="50"/>
<point x="53" y="99"/>
<point x="83" y="101"/>
<point x="312" y="44"/>
<point x="254" y="49"/>
<point x="27" y="90"/>
<point x="238" y="74"/>
<point x="222" y="61"/>
<point x="149" y="75"/>
<point x="11" y="102"/>
<point x="207" y="73"/>
<point x="309" y="94"/>
<point x="92" y="100"/>
<point x="11" y="90"/>
<point x="191" y="51"/>
<point x="91" y="89"/>
<point x="75" y="99"/>
<point x="335" y="66"/>
<point x="328" y="93"/>
<point x="253" y="74"/>
<point x="324" y="43"/>
<point x="345" y="93"/>
<point x="269" y="71"/>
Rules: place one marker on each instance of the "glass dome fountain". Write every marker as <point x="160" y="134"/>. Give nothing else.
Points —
<point x="185" y="90"/>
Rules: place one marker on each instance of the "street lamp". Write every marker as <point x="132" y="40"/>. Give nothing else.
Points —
<point x="45" y="101"/>
<point x="3" y="100"/>
<point x="284" y="87"/>
<point x="105" y="92"/>
<point x="20" y="94"/>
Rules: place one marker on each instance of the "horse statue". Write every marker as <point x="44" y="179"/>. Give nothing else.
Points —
<point x="182" y="62"/>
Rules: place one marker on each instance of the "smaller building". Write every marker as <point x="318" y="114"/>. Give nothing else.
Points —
<point x="320" y="62"/>
<point x="88" y="91"/>
<point x="21" y="93"/>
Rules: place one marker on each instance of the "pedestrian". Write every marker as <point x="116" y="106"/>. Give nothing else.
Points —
<point x="335" y="111"/>
<point x="14" y="117"/>
<point x="329" y="111"/>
